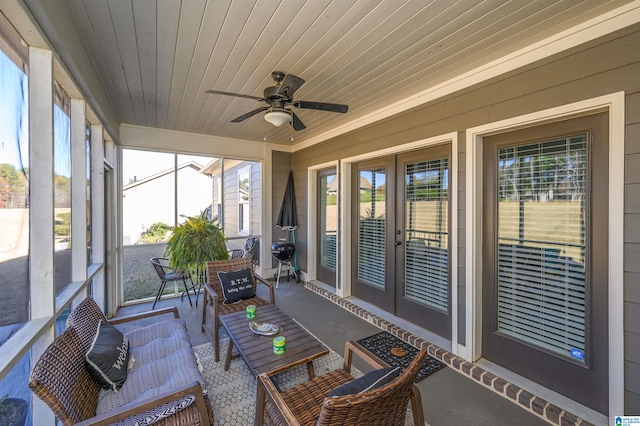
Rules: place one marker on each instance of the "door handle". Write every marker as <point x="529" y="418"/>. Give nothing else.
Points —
<point x="398" y="243"/>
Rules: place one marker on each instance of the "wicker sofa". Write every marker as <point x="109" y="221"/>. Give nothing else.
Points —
<point x="164" y="387"/>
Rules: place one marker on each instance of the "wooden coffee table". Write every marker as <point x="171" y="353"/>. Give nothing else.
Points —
<point x="257" y="350"/>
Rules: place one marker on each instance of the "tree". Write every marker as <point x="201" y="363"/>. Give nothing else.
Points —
<point x="12" y="184"/>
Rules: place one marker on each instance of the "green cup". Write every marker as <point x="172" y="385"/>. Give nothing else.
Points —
<point x="279" y="345"/>
<point x="251" y="311"/>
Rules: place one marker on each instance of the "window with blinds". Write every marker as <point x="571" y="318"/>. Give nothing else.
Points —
<point x="371" y="227"/>
<point x="426" y="199"/>
<point x="328" y="220"/>
<point x="542" y="244"/>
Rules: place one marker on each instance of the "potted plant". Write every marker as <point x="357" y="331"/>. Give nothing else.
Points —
<point x="13" y="411"/>
<point x="194" y="242"/>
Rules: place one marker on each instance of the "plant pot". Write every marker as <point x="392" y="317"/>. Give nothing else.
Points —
<point x="13" y="412"/>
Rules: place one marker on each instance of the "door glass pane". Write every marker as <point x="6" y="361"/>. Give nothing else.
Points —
<point x="328" y="219"/>
<point x="541" y="244"/>
<point x="426" y="201"/>
<point x="372" y="226"/>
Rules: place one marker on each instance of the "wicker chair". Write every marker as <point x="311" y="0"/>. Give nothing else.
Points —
<point x="213" y="296"/>
<point x="60" y="379"/>
<point x="308" y="402"/>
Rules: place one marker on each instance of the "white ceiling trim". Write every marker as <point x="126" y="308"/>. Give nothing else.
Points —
<point x="153" y="138"/>
<point x="602" y="25"/>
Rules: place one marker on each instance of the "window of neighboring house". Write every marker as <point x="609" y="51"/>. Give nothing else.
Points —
<point x="62" y="188"/>
<point x="244" y="192"/>
<point x="217" y="200"/>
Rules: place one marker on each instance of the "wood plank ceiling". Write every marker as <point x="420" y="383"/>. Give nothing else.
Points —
<point x="157" y="57"/>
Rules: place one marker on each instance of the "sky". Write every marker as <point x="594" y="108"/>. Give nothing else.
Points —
<point x="142" y="164"/>
<point x="13" y="114"/>
<point x="14" y="122"/>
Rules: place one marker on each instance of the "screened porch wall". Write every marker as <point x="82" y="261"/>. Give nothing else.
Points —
<point x="602" y="67"/>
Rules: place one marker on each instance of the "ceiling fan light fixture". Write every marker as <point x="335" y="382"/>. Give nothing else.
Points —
<point x="277" y="117"/>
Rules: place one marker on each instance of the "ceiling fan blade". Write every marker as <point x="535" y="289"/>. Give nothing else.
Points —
<point x="289" y="85"/>
<point x="249" y="114"/>
<point x="322" y="106"/>
<point x="238" y="95"/>
<point x="296" y="123"/>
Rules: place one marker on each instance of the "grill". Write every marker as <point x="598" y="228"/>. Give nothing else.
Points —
<point x="283" y="252"/>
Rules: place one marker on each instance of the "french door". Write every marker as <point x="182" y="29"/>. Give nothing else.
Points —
<point x="401" y="241"/>
<point x="545" y="251"/>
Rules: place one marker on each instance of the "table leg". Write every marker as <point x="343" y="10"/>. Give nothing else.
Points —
<point x="260" y="400"/>
<point x="310" y="370"/>
<point x="227" y="361"/>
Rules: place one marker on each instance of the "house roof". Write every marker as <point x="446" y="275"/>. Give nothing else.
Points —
<point x="190" y="164"/>
<point x="157" y="59"/>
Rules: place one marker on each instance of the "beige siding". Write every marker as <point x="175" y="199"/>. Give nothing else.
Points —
<point x="599" y="68"/>
<point x="632" y="253"/>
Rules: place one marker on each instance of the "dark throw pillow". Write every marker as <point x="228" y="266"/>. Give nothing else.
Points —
<point x="371" y="380"/>
<point x="236" y="285"/>
<point x="108" y="357"/>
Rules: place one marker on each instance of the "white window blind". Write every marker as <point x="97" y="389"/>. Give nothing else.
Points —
<point x="372" y="227"/>
<point x="426" y="198"/>
<point x="541" y="244"/>
<point x="328" y="220"/>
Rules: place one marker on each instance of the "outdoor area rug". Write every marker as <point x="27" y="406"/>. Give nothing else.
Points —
<point x="399" y="353"/>
<point x="232" y="393"/>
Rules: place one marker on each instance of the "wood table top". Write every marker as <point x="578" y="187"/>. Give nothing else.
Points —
<point x="257" y="350"/>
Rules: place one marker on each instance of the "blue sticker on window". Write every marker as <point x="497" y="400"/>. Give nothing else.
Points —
<point x="577" y="353"/>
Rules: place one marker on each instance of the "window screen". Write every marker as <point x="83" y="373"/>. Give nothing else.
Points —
<point x="542" y="244"/>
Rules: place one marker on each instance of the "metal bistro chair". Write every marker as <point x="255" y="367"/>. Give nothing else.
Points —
<point x="169" y="274"/>
<point x="250" y="250"/>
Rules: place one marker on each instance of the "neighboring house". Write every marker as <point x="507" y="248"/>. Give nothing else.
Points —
<point x="236" y="198"/>
<point x="150" y="200"/>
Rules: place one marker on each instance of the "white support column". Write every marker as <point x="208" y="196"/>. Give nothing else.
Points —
<point x="41" y="221"/>
<point x="41" y="182"/>
<point x="118" y="269"/>
<point x="112" y="269"/>
<point x="266" y="219"/>
<point x="98" y="238"/>
<point x="78" y="191"/>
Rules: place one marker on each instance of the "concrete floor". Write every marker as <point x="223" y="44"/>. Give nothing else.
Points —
<point x="448" y="397"/>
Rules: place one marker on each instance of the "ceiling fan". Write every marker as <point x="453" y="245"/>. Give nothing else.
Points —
<point x="279" y="97"/>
